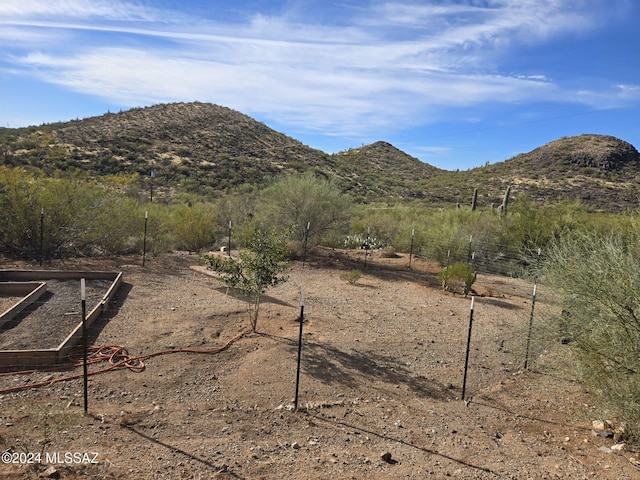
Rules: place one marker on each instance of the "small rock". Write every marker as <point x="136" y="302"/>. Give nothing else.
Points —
<point x="601" y="428"/>
<point x="598" y="425"/>
<point x="51" y="472"/>
<point x="295" y="446"/>
<point x="605" y="449"/>
<point x="386" y="456"/>
<point x="618" y="447"/>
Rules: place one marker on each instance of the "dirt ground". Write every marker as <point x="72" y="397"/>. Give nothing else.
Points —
<point x="379" y="390"/>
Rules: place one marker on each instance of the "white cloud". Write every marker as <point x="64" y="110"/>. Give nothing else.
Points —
<point x="628" y="89"/>
<point x="77" y="9"/>
<point x="392" y="64"/>
<point x="334" y="98"/>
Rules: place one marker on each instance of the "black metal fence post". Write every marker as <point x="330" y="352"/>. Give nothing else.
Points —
<point x="466" y="359"/>
<point x="41" y="235"/>
<point x="533" y="305"/>
<point x="144" y="241"/>
<point x="295" y="402"/>
<point x="413" y="230"/>
<point x="84" y="345"/>
<point x="152" y="175"/>
<point x="306" y="239"/>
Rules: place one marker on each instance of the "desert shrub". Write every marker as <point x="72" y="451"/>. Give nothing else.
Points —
<point x="384" y="221"/>
<point x="239" y="209"/>
<point x="160" y="238"/>
<point x="295" y="250"/>
<point x="457" y="278"/>
<point x="78" y="217"/>
<point x="352" y="276"/>
<point x="446" y="236"/>
<point x="598" y="280"/>
<point x="192" y="225"/>
<point x="403" y="241"/>
<point x="296" y="201"/>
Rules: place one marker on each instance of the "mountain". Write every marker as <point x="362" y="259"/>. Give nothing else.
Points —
<point x="211" y="149"/>
<point x="192" y="145"/>
<point x="601" y="171"/>
<point x="203" y="147"/>
<point x="381" y="170"/>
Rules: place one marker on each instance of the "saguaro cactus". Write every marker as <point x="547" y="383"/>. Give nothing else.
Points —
<point x="505" y="201"/>
<point x="474" y="202"/>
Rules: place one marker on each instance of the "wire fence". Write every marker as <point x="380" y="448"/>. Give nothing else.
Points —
<point x="503" y="272"/>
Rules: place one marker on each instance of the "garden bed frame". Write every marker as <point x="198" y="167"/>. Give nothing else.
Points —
<point x="32" y="284"/>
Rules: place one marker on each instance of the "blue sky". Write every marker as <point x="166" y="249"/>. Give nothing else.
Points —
<point x="455" y="83"/>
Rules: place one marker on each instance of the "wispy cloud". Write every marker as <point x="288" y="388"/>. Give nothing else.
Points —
<point x="27" y="10"/>
<point x="394" y="63"/>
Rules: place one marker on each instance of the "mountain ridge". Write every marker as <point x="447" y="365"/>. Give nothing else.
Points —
<point x="212" y="150"/>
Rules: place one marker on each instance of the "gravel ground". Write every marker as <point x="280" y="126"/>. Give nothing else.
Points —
<point x="380" y="384"/>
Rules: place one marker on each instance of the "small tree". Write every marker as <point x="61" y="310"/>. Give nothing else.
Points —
<point x="258" y="267"/>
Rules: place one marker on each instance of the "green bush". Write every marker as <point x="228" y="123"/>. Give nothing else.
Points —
<point x="598" y="280"/>
<point x="295" y="202"/>
<point x="457" y="278"/>
<point x="351" y="276"/>
<point x="192" y="226"/>
<point x="76" y="216"/>
<point x="260" y="266"/>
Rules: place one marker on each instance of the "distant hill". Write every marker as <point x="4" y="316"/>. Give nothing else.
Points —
<point x="601" y="171"/>
<point x="383" y="171"/>
<point x="196" y="146"/>
<point x="213" y="150"/>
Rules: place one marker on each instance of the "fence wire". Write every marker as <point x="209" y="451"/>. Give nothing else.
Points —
<point x="502" y="271"/>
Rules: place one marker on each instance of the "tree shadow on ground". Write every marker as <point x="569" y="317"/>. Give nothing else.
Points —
<point x="331" y="365"/>
<point x="489" y="402"/>
<point x="500" y="303"/>
<point x="374" y="267"/>
<point x="239" y="295"/>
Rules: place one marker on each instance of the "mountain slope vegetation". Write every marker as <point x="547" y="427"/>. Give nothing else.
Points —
<point x="601" y="171"/>
<point x="213" y="150"/>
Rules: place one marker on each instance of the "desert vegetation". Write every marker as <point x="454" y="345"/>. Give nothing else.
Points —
<point x="277" y="192"/>
<point x="260" y="265"/>
<point x="589" y="259"/>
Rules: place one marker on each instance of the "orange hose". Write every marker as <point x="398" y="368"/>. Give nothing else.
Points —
<point x="116" y="355"/>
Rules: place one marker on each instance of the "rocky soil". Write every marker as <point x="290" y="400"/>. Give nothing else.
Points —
<point x="379" y="393"/>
